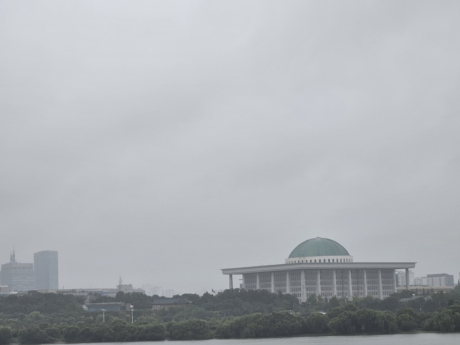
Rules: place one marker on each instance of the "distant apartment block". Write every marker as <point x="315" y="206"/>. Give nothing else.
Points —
<point x="440" y="279"/>
<point x="46" y="270"/>
<point x="168" y="292"/>
<point x="420" y="281"/>
<point x="435" y="280"/>
<point x="401" y="278"/>
<point x="18" y="276"/>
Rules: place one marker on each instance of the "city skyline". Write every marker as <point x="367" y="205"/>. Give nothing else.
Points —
<point x="153" y="289"/>
<point x="163" y="141"/>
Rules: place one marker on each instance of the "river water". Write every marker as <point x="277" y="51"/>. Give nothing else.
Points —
<point x="396" y="339"/>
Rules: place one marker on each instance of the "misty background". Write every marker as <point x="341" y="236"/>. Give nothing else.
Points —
<point x="165" y="140"/>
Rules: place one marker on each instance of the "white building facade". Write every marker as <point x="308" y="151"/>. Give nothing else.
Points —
<point x="322" y="267"/>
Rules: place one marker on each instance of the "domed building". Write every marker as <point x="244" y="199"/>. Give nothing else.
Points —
<point x="319" y="250"/>
<point x="322" y="267"/>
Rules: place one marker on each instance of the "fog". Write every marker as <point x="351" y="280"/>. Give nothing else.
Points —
<point x="162" y="141"/>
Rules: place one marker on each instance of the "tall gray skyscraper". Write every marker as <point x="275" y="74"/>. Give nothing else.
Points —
<point x="17" y="276"/>
<point x="46" y="270"/>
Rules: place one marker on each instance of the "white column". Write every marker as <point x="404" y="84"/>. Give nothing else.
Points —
<point x="407" y="279"/>
<point x="244" y="282"/>
<point x="230" y="281"/>
<point x="350" y="285"/>
<point x="395" y="289"/>
<point x="288" y="283"/>
<point x="273" y="282"/>
<point x="334" y="283"/>
<point x="380" y="284"/>
<point x="303" y="297"/>
<point x="318" y="283"/>
<point x="365" y="282"/>
<point x="257" y="282"/>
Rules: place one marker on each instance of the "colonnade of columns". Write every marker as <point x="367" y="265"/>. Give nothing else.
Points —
<point x="318" y="283"/>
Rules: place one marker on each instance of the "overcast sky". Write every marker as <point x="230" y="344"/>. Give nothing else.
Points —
<point x="165" y="140"/>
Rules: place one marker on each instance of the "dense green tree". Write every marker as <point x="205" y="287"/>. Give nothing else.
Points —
<point x="189" y="330"/>
<point x="151" y="332"/>
<point x="102" y="334"/>
<point x="316" y="323"/>
<point x="54" y="333"/>
<point x="369" y="321"/>
<point x="71" y="334"/>
<point x="334" y="302"/>
<point x="406" y="322"/>
<point x="390" y="324"/>
<point x="33" y="335"/>
<point x="5" y="335"/>
<point x="281" y="324"/>
<point x="391" y="304"/>
<point x="345" y="323"/>
<point x="445" y="320"/>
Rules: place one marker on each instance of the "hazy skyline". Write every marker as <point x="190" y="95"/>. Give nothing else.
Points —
<point x="165" y="140"/>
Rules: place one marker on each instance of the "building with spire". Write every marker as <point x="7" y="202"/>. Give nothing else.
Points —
<point x="17" y="276"/>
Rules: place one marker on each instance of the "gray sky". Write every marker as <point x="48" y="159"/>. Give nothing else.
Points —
<point x="165" y="140"/>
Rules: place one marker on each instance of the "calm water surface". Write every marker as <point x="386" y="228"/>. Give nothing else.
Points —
<point x="397" y="339"/>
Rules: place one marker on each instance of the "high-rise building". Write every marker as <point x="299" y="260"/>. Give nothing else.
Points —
<point x="46" y="270"/>
<point x="17" y="276"/>
<point x="440" y="279"/>
<point x="401" y="278"/>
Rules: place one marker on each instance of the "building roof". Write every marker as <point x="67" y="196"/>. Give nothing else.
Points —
<point x="318" y="247"/>
<point x="319" y="266"/>
<point x="169" y="301"/>
<point x="110" y="304"/>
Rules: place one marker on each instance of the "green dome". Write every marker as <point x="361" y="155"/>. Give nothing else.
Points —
<point x="318" y="247"/>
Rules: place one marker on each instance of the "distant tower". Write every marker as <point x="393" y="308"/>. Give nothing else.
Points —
<point x="17" y="276"/>
<point x="46" y="270"/>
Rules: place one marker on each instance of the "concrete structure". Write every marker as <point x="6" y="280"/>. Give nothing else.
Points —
<point x="420" y="281"/>
<point x="322" y="267"/>
<point x="4" y="290"/>
<point x="127" y="288"/>
<point x="440" y="279"/>
<point x="435" y="280"/>
<point x="401" y="278"/>
<point x="17" y="276"/>
<point x="175" y="302"/>
<point x="106" y="292"/>
<point x="99" y="307"/>
<point x="426" y="289"/>
<point x="168" y="292"/>
<point x="46" y="270"/>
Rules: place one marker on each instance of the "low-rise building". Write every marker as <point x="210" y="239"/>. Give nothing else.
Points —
<point x="108" y="292"/>
<point x="175" y="302"/>
<point x="99" y="307"/>
<point x="5" y="290"/>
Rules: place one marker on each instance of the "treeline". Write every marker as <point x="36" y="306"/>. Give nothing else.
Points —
<point x="45" y="303"/>
<point x="344" y="320"/>
<point x="235" y="302"/>
<point x="230" y="314"/>
<point x="229" y="303"/>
